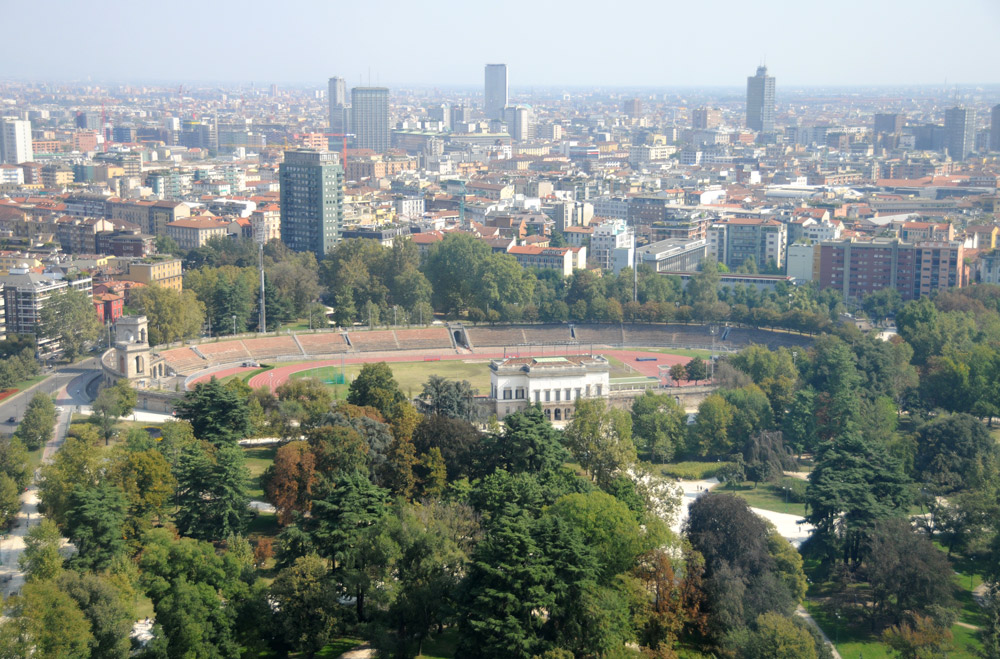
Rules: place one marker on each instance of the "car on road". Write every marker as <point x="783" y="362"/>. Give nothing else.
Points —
<point x="12" y="419"/>
<point x="60" y="410"/>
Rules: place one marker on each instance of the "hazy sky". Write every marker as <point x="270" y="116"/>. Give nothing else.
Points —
<point x="570" y="42"/>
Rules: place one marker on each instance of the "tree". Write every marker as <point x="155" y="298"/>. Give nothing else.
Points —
<point x="609" y="528"/>
<point x="710" y="431"/>
<point x="696" y="369"/>
<point x="212" y="487"/>
<point x="855" y="484"/>
<point x="908" y="575"/>
<point x="778" y="637"/>
<point x="41" y="560"/>
<point x="956" y="452"/>
<point x="196" y="593"/>
<point x="94" y="523"/>
<point x="14" y="461"/>
<point x="78" y="464"/>
<point x="48" y="623"/>
<point x="306" y="603"/>
<point x="990" y="634"/>
<point x="528" y="443"/>
<point x="675" y="597"/>
<point x="449" y="398"/>
<point x="338" y="528"/>
<point x="288" y="482"/>
<point x="678" y="372"/>
<point x="397" y="470"/>
<point x="10" y="500"/>
<point x="304" y="400"/>
<point x="166" y="245"/>
<point x="435" y="473"/>
<point x="146" y="480"/>
<point x="226" y="291"/>
<point x="455" y="438"/>
<point x="112" y="404"/>
<point x="69" y="316"/>
<point x="172" y="315"/>
<point x="217" y="413"/>
<point x="922" y="639"/>
<point x="109" y="611"/>
<point x="600" y="438"/>
<point x="766" y="457"/>
<point x="661" y="423"/>
<point x="376" y="387"/>
<point x="38" y="423"/>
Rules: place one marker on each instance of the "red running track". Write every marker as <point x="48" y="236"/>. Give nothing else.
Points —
<point x="277" y="376"/>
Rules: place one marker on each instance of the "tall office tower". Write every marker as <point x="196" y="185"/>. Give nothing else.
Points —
<point x="760" y="101"/>
<point x="706" y="118"/>
<point x="888" y="123"/>
<point x="312" y="200"/>
<point x="496" y="91"/>
<point x="339" y="109"/>
<point x="960" y="132"/>
<point x="370" y="116"/>
<point x="995" y="128"/>
<point x="15" y="142"/>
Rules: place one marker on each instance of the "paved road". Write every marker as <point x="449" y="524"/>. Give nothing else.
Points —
<point x="16" y="404"/>
<point x="70" y="386"/>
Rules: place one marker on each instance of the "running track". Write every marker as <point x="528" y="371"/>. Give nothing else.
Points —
<point x="277" y="376"/>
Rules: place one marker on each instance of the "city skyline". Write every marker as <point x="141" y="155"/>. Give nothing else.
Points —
<point x="717" y="57"/>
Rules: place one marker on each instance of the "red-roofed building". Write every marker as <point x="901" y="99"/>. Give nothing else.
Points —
<point x="108" y="306"/>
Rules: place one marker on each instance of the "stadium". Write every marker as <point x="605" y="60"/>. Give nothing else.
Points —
<point x="641" y="354"/>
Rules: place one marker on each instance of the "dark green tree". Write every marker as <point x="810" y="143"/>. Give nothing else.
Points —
<point x="306" y="601"/>
<point x="528" y="443"/>
<point x="449" y="398"/>
<point x="212" y="495"/>
<point x="109" y="611"/>
<point x="217" y="413"/>
<point x="456" y="438"/>
<point x="855" y="484"/>
<point x="956" y="452"/>
<point x="94" y="523"/>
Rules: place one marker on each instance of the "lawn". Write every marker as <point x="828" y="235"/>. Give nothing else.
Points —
<point x="689" y="470"/>
<point x="441" y="646"/>
<point x="258" y="459"/>
<point x="766" y="498"/>
<point x="853" y="635"/>
<point x="411" y="376"/>
<point x="682" y="352"/>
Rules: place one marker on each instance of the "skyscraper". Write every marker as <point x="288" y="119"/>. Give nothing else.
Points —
<point x="760" y="101"/>
<point x="15" y="142"/>
<point x="370" y="117"/>
<point x="995" y="128"/>
<point x="339" y="109"/>
<point x="960" y="132"/>
<point x="312" y="200"/>
<point x="495" y="91"/>
<point x="888" y="123"/>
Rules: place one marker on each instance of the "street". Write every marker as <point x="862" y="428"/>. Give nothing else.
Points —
<point x="70" y="388"/>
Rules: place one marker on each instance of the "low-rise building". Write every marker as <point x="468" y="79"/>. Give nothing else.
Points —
<point x="555" y="383"/>
<point x="167" y="273"/>
<point x="196" y="231"/>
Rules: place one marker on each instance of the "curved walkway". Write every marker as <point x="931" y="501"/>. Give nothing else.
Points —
<point x="277" y="376"/>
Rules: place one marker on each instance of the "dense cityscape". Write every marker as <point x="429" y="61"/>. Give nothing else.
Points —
<point x="505" y="370"/>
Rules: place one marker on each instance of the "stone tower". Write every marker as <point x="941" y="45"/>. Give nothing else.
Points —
<point x="132" y="347"/>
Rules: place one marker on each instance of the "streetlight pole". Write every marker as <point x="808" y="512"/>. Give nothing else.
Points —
<point x="234" y="324"/>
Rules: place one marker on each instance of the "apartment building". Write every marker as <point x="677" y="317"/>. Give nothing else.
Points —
<point x="736" y="240"/>
<point x="196" y="231"/>
<point x="167" y="273"/>
<point x="26" y="293"/>
<point x="857" y="268"/>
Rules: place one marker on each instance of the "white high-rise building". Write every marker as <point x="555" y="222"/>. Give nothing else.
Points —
<point x="340" y="118"/>
<point x="15" y="142"/>
<point x="612" y="245"/>
<point x="495" y="91"/>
